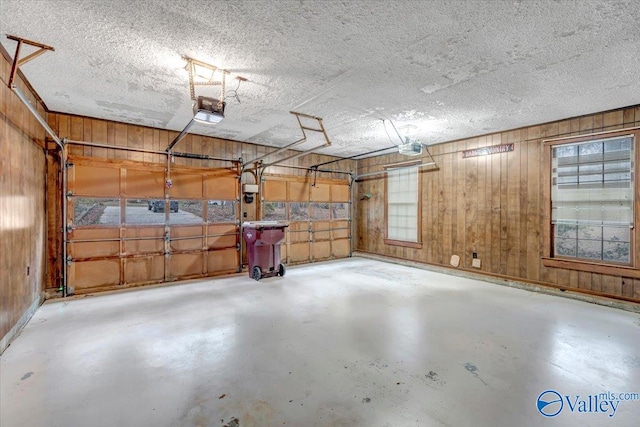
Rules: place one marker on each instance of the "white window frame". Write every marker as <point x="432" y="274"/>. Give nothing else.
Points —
<point x="605" y="267"/>
<point x="402" y="207"/>
<point x="592" y="199"/>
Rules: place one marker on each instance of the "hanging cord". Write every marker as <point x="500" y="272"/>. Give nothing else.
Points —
<point x="387" y="132"/>
<point x="397" y="133"/>
<point x="233" y="93"/>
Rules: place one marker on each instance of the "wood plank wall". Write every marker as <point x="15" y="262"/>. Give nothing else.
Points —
<point x="491" y="205"/>
<point x="116" y="134"/>
<point x="22" y="203"/>
<point x="134" y="136"/>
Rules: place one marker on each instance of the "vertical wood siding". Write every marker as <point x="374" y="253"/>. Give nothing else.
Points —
<point x="22" y="204"/>
<point x="492" y="205"/>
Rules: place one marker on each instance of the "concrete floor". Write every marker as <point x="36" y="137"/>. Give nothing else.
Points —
<point x="356" y="342"/>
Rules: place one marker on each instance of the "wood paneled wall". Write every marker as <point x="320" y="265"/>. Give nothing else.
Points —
<point x="491" y="205"/>
<point x="133" y="136"/>
<point x="22" y="204"/>
<point x="114" y="134"/>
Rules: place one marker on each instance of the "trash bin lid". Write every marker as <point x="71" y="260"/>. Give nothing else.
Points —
<point x="257" y="224"/>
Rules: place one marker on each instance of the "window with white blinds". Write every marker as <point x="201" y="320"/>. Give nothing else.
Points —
<point x="592" y="199"/>
<point x="402" y="204"/>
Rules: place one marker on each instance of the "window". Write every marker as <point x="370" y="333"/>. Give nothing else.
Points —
<point x="320" y="211"/>
<point x="95" y="211"/>
<point x="592" y="188"/>
<point x="185" y="212"/>
<point x="144" y="212"/>
<point x="402" y="208"/>
<point x="339" y="211"/>
<point x="298" y="211"/>
<point x="275" y="211"/>
<point x="221" y="211"/>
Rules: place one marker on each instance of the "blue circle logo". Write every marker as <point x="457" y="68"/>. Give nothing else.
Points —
<point x="550" y="403"/>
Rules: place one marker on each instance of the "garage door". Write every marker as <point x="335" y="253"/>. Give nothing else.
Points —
<point x="319" y="215"/>
<point x="133" y="223"/>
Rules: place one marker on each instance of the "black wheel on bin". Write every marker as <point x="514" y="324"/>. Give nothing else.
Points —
<point x="281" y="270"/>
<point x="256" y="273"/>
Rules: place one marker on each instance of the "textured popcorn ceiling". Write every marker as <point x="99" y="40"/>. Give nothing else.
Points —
<point x="441" y="70"/>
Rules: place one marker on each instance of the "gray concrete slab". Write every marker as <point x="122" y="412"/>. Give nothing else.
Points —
<point x="356" y="342"/>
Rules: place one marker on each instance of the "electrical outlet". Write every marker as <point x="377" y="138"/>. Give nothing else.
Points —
<point x="475" y="255"/>
<point x="244" y="214"/>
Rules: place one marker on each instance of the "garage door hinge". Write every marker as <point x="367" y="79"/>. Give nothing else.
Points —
<point x="69" y="194"/>
<point x="69" y="260"/>
<point x="68" y="164"/>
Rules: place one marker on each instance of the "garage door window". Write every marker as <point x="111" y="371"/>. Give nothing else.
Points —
<point x="185" y="212"/>
<point x="321" y="211"/>
<point x="221" y="211"/>
<point x="144" y="212"/>
<point x="275" y="211"/>
<point x="95" y="212"/>
<point x="298" y="211"/>
<point x="339" y="211"/>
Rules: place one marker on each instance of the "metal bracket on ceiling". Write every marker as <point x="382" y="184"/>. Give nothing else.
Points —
<point x="202" y="74"/>
<point x="299" y="116"/>
<point x="17" y="62"/>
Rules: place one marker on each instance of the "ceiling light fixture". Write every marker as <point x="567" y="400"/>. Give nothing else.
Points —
<point x="407" y="146"/>
<point x="208" y="110"/>
<point x="410" y="148"/>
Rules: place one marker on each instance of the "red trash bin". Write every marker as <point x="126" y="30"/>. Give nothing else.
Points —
<point x="263" y="247"/>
